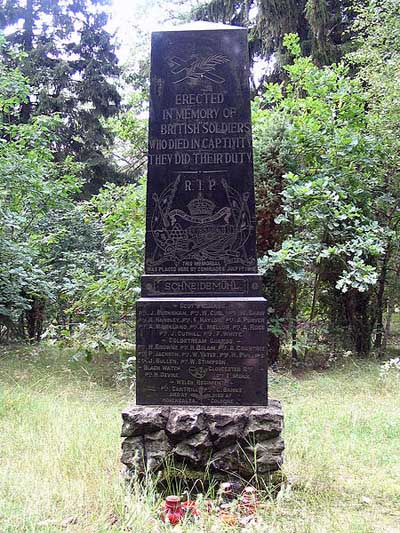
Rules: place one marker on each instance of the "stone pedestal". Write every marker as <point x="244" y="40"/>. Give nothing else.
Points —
<point x="227" y="442"/>
<point x="201" y="351"/>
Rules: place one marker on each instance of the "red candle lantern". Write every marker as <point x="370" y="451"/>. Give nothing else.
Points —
<point x="172" y="512"/>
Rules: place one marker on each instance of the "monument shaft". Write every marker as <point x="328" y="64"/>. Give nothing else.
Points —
<point x="201" y="323"/>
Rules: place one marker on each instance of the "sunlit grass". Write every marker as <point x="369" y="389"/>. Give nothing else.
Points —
<point x="60" y="447"/>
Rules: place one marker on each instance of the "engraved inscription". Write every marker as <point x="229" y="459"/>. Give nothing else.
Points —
<point x="195" y="287"/>
<point x="200" y="203"/>
<point x="201" y="332"/>
<point x="201" y="129"/>
<point x="208" y="352"/>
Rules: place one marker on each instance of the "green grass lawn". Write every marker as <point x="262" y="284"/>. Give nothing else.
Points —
<point x="60" y="447"/>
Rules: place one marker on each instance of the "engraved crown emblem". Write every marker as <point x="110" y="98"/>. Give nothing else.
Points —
<point x="201" y="206"/>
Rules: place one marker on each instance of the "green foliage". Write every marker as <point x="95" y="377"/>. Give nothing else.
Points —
<point x="14" y="87"/>
<point x="108" y="296"/>
<point x="130" y="130"/>
<point x="69" y="240"/>
<point x="32" y="183"/>
<point x="62" y="263"/>
<point x="377" y="60"/>
<point x="326" y="164"/>
<point x="70" y="62"/>
<point x="323" y="27"/>
<point x="333" y="183"/>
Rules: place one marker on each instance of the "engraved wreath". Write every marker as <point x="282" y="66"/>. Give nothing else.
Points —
<point x="197" y="67"/>
<point x="201" y="231"/>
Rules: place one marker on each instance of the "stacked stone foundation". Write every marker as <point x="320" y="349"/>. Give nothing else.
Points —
<point x="224" y="442"/>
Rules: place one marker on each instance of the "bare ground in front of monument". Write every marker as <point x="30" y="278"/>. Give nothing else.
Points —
<point x="60" y="448"/>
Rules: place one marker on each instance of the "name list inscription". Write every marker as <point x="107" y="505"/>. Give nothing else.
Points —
<point x="207" y="353"/>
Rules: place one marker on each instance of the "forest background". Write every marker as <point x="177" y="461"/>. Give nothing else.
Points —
<point x="73" y="133"/>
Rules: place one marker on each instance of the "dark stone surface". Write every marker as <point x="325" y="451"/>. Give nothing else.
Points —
<point x="264" y="424"/>
<point x="183" y="423"/>
<point x="133" y="453"/>
<point x="201" y="324"/>
<point x="195" y="449"/>
<point x="226" y="427"/>
<point x="156" y="447"/>
<point x="265" y="454"/>
<point x="201" y="351"/>
<point x="201" y="331"/>
<point x="227" y="440"/>
<point x="138" y="422"/>
<point x="200" y="193"/>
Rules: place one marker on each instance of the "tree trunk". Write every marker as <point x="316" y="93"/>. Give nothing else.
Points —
<point x="293" y="326"/>
<point x="388" y="326"/>
<point x="278" y="297"/>
<point x="360" y="320"/>
<point x="314" y="296"/>
<point x="274" y="345"/>
<point x="35" y="319"/>
<point x="27" y="43"/>
<point x="380" y="299"/>
<point x="269" y="237"/>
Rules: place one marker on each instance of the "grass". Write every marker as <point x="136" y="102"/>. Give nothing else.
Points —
<point x="60" y="446"/>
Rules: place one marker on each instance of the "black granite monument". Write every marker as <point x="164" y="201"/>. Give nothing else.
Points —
<point x="201" y="320"/>
<point x="201" y="324"/>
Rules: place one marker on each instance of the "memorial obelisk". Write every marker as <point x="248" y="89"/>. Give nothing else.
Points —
<point x="201" y="321"/>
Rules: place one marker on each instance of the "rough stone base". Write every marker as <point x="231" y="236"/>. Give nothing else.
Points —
<point x="226" y="442"/>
